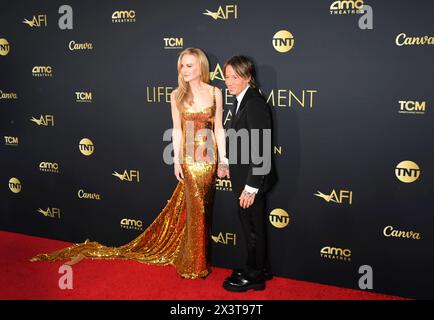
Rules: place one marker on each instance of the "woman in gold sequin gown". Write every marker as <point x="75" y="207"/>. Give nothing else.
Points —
<point x="180" y="234"/>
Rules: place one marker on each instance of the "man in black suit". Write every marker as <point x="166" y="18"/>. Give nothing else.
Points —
<point x="251" y="169"/>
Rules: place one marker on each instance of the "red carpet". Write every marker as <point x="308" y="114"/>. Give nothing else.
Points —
<point x="118" y="279"/>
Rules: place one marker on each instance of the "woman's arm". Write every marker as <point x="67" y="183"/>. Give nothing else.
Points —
<point x="176" y="138"/>
<point x="218" y="128"/>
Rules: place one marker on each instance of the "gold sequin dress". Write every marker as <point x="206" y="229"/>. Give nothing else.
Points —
<point x="180" y="234"/>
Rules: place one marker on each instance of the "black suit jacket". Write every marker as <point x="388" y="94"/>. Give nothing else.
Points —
<point x="253" y="113"/>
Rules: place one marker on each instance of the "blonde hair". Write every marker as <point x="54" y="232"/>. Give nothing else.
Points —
<point x="183" y="92"/>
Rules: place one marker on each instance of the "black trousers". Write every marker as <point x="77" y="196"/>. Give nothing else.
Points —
<point x="253" y="222"/>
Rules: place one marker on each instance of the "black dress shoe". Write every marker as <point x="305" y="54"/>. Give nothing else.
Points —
<point x="240" y="272"/>
<point x="243" y="283"/>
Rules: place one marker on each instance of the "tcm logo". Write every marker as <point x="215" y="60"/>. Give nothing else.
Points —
<point x="86" y="146"/>
<point x="50" y="212"/>
<point x="49" y="167"/>
<point x="44" y="120"/>
<point x="230" y="10"/>
<point x="42" y="71"/>
<point x="131" y="175"/>
<point x="88" y="195"/>
<point x="8" y="95"/>
<point x="124" y="16"/>
<point x="407" y="171"/>
<point x="336" y="253"/>
<point x="225" y="238"/>
<point x="80" y="46"/>
<point x="173" y="43"/>
<point x="283" y="41"/>
<point x="131" y="224"/>
<point x="158" y="94"/>
<point x="337" y="197"/>
<point x="222" y="184"/>
<point x="389" y="231"/>
<point x="217" y="73"/>
<point x="4" y="47"/>
<point x="39" y="20"/>
<point x="15" y="185"/>
<point x="413" y="107"/>
<point x="81" y="96"/>
<point x="279" y="218"/>
<point x="347" y="7"/>
<point x="11" y="141"/>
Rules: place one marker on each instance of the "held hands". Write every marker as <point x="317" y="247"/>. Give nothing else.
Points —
<point x="223" y="170"/>
<point x="178" y="172"/>
<point x="246" y="199"/>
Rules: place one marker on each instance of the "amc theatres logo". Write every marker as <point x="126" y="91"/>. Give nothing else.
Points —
<point x="49" y="167"/>
<point x="42" y="71"/>
<point x="131" y="224"/>
<point x="124" y="16"/>
<point x="336" y="253"/>
<point x="223" y="184"/>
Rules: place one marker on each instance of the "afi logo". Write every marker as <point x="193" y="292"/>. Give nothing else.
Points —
<point x="44" y="120"/>
<point x="225" y="238"/>
<point x="223" y="13"/>
<point x="128" y="175"/>
<point x="343" y="195"/>
<point x="37" y="21"/>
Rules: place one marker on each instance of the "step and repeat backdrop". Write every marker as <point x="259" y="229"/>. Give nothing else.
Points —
<point x="85" y="101"/>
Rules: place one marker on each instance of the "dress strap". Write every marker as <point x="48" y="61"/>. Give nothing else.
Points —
<point x="213" y="96"/>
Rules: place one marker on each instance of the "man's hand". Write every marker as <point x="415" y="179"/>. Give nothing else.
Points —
<point x="246" y="199"/>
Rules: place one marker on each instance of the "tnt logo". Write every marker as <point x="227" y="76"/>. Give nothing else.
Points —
<point x="173" y="43"/>
<point x="4" y="47"/>
<point x="86" y="146"/>
<point x="131" y="175"/>
<point x="279" y="218"/>
<point x="230" y="10"/>
<point x="15" y="185"/>
<point x="44" y="120"/>
<point x="407" y="171"/>
<point x="83" y="96"/>
<point x="413" y="107"/>
<point x="283" y="41"/>
<point x="39" y="20"/>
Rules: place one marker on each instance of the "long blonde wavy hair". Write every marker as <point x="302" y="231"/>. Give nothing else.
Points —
<point x="183" y="92"/>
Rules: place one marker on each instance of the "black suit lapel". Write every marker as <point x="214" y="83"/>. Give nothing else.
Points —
<point x="243" y="103"/>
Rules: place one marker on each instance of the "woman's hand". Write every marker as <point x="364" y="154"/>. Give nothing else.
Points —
<point x="178" y="172"/>
<point x="223" y="170"/>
